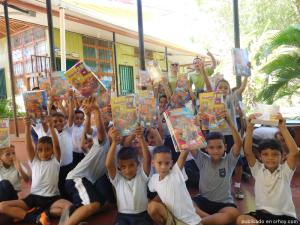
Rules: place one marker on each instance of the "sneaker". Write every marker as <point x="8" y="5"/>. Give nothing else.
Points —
<point x="43" y="219"/>
<point x="239" y="194"/>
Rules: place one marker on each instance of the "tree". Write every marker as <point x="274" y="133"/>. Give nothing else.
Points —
<point x="284" y="67"/>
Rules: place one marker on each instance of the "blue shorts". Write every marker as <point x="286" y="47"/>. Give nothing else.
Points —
<point x="134" y="219"/>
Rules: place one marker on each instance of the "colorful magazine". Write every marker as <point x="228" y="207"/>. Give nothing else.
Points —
<point x="145" y="80"/>
<point x="4" y="133"/>
<point x="154" y="71"/>
<point x="124" y="114"/>
<point x="59" y="84"/>
<point x="147" y="109"/>
<point x="212" y="106"/>
<point x="185" y="133"/>
<point x="266" y="114"/>
<point x="44" y="84"/>
<point x="84" y="80"/>
<point x="240" y="62"/>
<point x="36" y="105"/>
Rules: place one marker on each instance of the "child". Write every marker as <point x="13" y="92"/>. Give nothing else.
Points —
<point x="215" y="177"/>
<point x="130" y="180"/>
<point x="64" y="132"/>
<point x="11" y="173"/>
<point x="86" y="183"/>
<point x="272" y="190"/>
<point x="44" y="189"/>
<point x="174" y="205"/>
<point x="77" y="130"/>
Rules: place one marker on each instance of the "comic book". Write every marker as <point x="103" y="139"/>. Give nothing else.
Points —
<point x="44" y="84"/>
<point x="59" y="84"/>
<point x="84" y="80"/>
<point x="212" y="105"/>
<point x="4" y="133"/>
<point x="124" y="114"/>
<point x="266" y="114"/>
<point x="240" y="62"/>
<point x="36" y="105"/>
<point x="154" y="71"/>
<point x="145" y="80"/>
<point x="185" y="133"/>
<point x="147" y="109"/>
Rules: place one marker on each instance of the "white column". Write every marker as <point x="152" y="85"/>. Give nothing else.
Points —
<point x="62" y="32"/>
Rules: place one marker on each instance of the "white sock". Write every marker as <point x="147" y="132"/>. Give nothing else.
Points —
<point x="237" y="185"/>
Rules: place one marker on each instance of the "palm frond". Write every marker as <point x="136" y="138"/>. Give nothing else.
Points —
<point x="290" y="36"/>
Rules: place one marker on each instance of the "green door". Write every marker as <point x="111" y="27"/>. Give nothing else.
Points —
<point x="3" y="93"/>
<point x="126" y="79"/>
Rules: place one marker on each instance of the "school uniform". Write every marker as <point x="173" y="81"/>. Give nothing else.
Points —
<point x="273" y="196"/>
<point x="132" y="199"/>
<point x="78" y="154"/>
<point x="175" y="196"/>
<point x="88" y="182"/>
<point x="44" y="187"/>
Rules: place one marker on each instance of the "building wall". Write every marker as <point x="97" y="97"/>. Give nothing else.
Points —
<point x="73" y="43"/>
<point x="4" y="64"/>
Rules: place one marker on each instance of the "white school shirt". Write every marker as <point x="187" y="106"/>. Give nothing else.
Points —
<point x="39" y="130"/>
<point x="174" y="194"/>
<point x="45" y="177"/>
<point x="12" y="175"/>
<point x="92" y="166"/>
<point x="65" y="144"/>
<point x="76" y="137"/>
<point x="272" y="190"/>
<point x="131" y="194"/>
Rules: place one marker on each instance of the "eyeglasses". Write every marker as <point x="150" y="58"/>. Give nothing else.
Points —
<point x="174" y="64"/>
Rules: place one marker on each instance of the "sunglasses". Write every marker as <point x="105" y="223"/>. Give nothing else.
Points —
<point x="174" y="64"/>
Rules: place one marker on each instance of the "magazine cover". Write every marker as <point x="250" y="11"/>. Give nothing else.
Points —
<point x="36" y="105"/>
<point x="4" y="133"/>
<point x="145" y="80"/>
<point x="186" y="134"/>
<point x="147" y="109"/>
<point x="266" y="114"/>
<point x="124" y="114"/>
<point x="59" y="84"/>
<point x="154" y="71"/>
<point x="212" y="105"/>
<point x="240" y="62"/>
<point x="84" y="80"/>
<point x="44" y="84"/>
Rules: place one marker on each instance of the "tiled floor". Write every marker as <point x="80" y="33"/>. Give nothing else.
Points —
<point x="107" y="217"/>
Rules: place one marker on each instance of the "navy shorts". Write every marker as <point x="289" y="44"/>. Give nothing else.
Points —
<point x="268" y="218"/>
<point x="82" y="192"/>
<point x="33" y="201"/>
<point x="134" y="219"/>
<point x="209" y="206"/>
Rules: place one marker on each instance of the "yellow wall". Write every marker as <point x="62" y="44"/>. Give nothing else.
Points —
<point x="160" y="58"/>
<point x="4" y="64"/>
<point x="73" y="43"/>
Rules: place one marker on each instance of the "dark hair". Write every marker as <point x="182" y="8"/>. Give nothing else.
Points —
<point x="162" y="96"/>
<point x="35" y="88"/>
<point x="197" y="58"/>
<point x="78" y="111"/>
<point x="224" y="81"/>
<point x="292" y="132"/>
<point x="127" y="153"/>
<point x="269" y="143"/>
<point x="58" y="114"/>
<point x="161" y="149"/>
<point x="45" y="140"/>
<point x="214" y="136"/>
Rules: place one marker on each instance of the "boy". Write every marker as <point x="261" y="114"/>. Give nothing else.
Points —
<point x="173" y="205"/>
<point x="216" y="170"/>
<point x="77" y="131"/>
<point x="44" y="190"/>
<point x="11" y="173"/>
<point x="130" y="181"/>
<point x="273" y="195"/>
<point x="85" y="183"/>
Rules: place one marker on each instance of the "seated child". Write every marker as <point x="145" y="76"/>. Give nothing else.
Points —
<point x="44" y="188"/>
<point x="130" y="179"/>
<point x="85" y="184"/>
<point x="11" y="173"/>
<point x="216" y="170"/>
<point x="273" y="196"/>
<point x="173" y="205"/>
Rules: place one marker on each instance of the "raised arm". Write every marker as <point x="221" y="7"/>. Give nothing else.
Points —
<point x="290" y="143"/>
<point x="214" y="62"/>
<point x="145" y="150"/>
<point x="110" y="158"/>
<point x="101" y="132"/>
<point x="242" y="87"/>
<point x="56" y="148"/>
<point x="236" y="148"/>
<point x="206" y="80"/>
<point x="20" y="170"/>
<point x="182" y="158"/>
<point x="70" y="107"/>
<point x="87" y="124"/>
<point x="248" y="142"/>
<point x="28" y="140"/>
